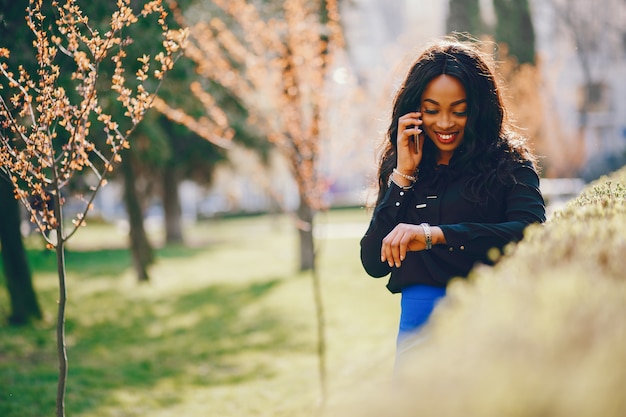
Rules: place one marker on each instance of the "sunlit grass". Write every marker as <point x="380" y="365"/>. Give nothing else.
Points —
<point x="226" y="327"/>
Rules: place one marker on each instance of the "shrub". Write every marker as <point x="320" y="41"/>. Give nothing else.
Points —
<point x="543" y="333"/>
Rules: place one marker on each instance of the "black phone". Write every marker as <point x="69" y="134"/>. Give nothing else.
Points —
<point x="416" y="139"/>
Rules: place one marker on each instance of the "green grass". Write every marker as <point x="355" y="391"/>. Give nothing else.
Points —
<point x="226" y="327"/>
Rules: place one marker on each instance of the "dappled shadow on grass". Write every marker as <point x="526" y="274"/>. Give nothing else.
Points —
<point x="205" y="337"/>
<point x="86" y="263"/>
<point x="101" y="262"/>
<point x="180" y="251"/>
<point x="142" y="340"/>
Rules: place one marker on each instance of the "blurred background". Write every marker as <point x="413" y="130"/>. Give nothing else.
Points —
<point x="563" y="62"/>
<point x="275" y="113"/>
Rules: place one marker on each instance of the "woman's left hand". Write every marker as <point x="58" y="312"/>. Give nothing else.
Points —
<point x="403" y="238"/>
<point x="406" y="237"/>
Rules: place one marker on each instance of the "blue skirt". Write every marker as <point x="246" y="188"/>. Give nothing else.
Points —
<point x="418" y="302"/>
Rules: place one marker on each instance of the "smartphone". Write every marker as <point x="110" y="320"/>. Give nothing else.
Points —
<point x="416" y="140"/>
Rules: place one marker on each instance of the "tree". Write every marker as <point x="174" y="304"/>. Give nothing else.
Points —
<point x="276" y="67"/>
<point x="47" y="132"/>
<point x="514" y="27"/>
<point x="24" y="304"/>
<point x="184" y="153"/>
<point x="189" y="157"/>
<point x="515" y="35"/>
<point x="464" y="16"/>
<point x="141" y="249"/>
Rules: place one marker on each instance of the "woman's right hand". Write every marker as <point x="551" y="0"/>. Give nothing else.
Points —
<point x="410" y="142"/>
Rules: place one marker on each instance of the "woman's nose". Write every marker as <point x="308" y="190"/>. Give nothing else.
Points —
<point x="444" y="122"/>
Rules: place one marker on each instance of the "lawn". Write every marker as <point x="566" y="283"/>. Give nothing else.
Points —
<point x="226" y="326"/>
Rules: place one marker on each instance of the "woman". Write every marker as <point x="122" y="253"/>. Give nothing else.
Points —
<point x="454" y="181"/>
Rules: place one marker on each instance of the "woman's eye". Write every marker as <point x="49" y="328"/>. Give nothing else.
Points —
<point x="428" y="111"/>
<point x="460" y="113"/>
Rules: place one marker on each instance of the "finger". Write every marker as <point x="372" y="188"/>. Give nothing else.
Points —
<point x="389" y="249"/>
<point x="410" y="128"/>
<point x="414" y="130"/>
<point x="405" y="241"/>
<point x="389" y="256"/>
<point x="418" y="126"/>
<point x="395" y="251"/>
<point x="411" y="115"/>
<point x="385" y="252"/>
<point x="409" y="138"/>
<point x="402" y="247"/>
<point x="409" y="121"/>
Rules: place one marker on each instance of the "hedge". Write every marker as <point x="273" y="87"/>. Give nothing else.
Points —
<point x="542" y="333"/>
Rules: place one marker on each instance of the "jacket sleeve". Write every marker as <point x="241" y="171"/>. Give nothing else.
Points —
<point x="385" y="217"/>
<point x="524" y="205"/>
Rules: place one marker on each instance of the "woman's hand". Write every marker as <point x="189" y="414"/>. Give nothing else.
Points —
<point x="410" y="142"/>
<point x="405" y="238"/>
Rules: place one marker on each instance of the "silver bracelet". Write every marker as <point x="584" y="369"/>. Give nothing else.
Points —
<point x="404" y="187"/>
<point x="428" y="237"/>
<point x="406" y="177"/>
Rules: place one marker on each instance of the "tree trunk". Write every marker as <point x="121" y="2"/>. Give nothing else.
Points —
<point x="171" y="206"/>
<point x="61" y="348"/>
<point x="24" y="304"/>
<point x="307" y="263"/>
<point x="464" y="16"/>
<point x="515" y="28"/>
<point x="140" y="247"/>
<point x="305" y="232"/>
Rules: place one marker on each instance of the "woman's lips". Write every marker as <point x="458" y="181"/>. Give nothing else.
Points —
<point x="446" y="137"/>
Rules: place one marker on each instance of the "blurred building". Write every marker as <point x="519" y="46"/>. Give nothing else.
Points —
<point x="582" y="51"/>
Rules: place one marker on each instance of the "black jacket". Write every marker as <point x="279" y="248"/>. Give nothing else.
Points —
<point x="471" y="229"/>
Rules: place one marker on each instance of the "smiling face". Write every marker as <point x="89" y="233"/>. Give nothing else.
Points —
<point x="444" y="115"/>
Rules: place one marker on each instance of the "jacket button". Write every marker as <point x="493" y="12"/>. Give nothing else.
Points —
<point x="397" y="204"/>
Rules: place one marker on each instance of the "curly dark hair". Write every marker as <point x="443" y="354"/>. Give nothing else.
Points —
<point x="490" y="148"/>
